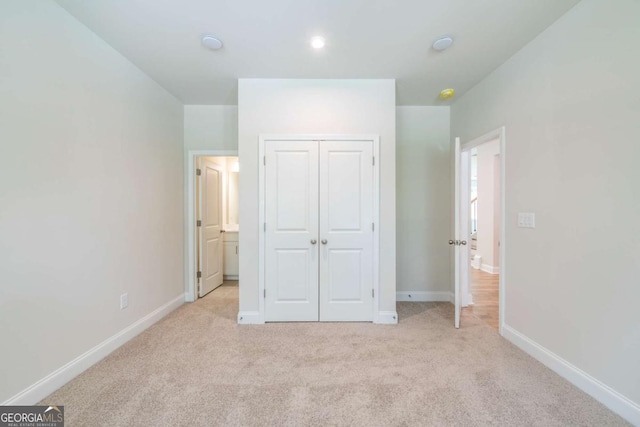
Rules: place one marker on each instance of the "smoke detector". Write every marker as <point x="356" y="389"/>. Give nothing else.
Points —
<point x="442" y="43"/>
<point x="211" y="42"/>
<point x="447" y="94"/>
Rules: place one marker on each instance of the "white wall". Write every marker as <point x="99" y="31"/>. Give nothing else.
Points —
<point x="487" y="223"/>
<point x="206" y="127"/>
<point x="570" y="101"/>
<point x="90" y="189"/>
<point x="423" y="173"/>
<point x="210" y="127"/>
<point x="273" y="106"/>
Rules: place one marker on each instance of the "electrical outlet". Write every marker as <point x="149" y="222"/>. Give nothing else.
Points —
<point x="124" y="301"/>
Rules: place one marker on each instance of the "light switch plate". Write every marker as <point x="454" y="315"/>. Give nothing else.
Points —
<point x="526" y="220"/>
<point x="124" y="301"/>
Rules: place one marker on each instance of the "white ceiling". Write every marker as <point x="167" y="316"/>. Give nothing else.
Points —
<point x="270" y="39"/>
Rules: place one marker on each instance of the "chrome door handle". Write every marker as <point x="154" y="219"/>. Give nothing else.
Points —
<point x="314" y="241"/>
<point x="463" y="242"/>
<point x="323" y="241"/>
<point x="451" y="242"/>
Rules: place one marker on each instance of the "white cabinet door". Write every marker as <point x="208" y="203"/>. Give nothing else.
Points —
<point x="231" y="259"/>
<point x="291" y="216"/>
<point x="346" y="231"/>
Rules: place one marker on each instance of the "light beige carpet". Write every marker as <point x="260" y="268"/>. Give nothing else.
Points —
<point x="197" y="367"/>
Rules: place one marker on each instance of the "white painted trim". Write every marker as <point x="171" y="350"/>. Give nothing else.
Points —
<point x="375" y="140"/>
<point x="47" y="385"/>
<point x="230" y="277"/>
<point x="500" y="134"/>
<point x="261" y="231"/>
<point x="502" y="283"/>
<point x="319" y="137"/>
<point x="423" y="296"/>
<point x="469" y="301"/>
<point x="465" y="229"/>
<point x="250" y="318"/>
<point x="489" y="269"/>
<point x="604" y="394"/>
<point x="190" y="170"/>
<point x="459" y="262"/>
<point x="386" y="318"/>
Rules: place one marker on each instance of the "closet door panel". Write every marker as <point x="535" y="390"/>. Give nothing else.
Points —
<point x="291" y="259"/>
<point x="346" y="218"/>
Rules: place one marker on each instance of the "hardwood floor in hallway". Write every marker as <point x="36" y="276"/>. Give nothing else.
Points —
<point x="486" y="296"/>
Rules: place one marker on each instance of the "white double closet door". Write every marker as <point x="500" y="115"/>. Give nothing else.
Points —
<point x="319" y="231"/>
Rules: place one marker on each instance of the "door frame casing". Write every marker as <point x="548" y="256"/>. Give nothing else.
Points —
<point x="375" y="140"/>
<point x="500" y="134"/>
<point x="191" y="250"/>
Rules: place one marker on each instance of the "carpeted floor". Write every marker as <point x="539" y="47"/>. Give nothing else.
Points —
<point x="197" y="367"/>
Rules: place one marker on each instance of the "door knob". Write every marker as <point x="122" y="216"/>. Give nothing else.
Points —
<point x="314" y="241"/>
<point x="463" y="242"/>
<point x="324" y="241"/>
<point x="451" y="242"/>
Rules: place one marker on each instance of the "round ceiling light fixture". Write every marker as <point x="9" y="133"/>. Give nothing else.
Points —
<point x="442" y="43"/>
<point x="211" y="42"/>
<point x="317" y="42"/>
<point x="447" y="94"/>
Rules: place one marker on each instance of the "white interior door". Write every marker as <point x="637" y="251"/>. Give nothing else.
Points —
<point x="211" y="217"/>
<point x="457" y="238"/>
<point x="465" y="227"/>
<point x="346" y="231"/>
<point x="291" y="217"/>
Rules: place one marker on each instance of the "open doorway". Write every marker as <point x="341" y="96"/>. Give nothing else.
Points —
<point x="484" y="232"/>
<point x="213" y="227"/>
<point x="480" y="227"/>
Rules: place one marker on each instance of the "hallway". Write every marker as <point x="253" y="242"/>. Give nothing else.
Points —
<point x="486" y="297"/>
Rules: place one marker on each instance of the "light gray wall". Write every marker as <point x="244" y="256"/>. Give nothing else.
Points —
<point x="423" y="174"/>
<point x="274" y="106"/>
<point x="90" y="187"/>
<point x="206" y="127"/>
<point x="210" y="127"/>
<point x="570" y="101"/>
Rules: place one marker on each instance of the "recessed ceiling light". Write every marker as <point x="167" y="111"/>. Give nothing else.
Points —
<point x="442" y="43"/>
<point x="447" y="94"/>
<point x="211" y="42"/>
<point x="317" y="42"/>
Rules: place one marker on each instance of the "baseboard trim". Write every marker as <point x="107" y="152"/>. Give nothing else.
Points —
<point x="604" y="394"/>
<point x="490" y="269"/>
<point x="386" y="318"/>
<point x="250" y="318"/>
<point x="423" y="296"/>
<point x="468" y="301"/>
<point x="230" y="277"/>
<point x="47" y="385"/>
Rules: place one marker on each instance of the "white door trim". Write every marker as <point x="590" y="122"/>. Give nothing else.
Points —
<point x="190" y="226"/>
<point x="499" y="134"/>
<point x="375" y="139"/>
